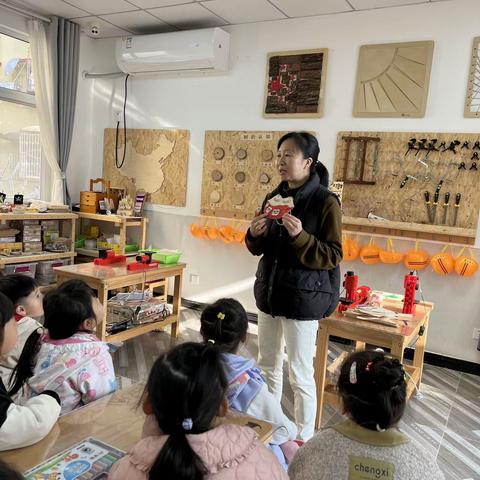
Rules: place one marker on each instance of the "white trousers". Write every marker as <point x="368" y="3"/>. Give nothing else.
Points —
<point x="299" y="337"/>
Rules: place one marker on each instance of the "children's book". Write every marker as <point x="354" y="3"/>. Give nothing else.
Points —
<point x="90" y="459"/>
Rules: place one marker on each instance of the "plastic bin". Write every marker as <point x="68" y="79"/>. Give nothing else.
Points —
<point x="28" y="269"/>
<point x="45" y="273"/>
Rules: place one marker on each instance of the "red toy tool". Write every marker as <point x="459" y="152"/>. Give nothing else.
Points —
<point x="108" y="257"/>
<point x="354" y="295"/>
<point x="411" y="286"/>
<point x="143" y="262"/>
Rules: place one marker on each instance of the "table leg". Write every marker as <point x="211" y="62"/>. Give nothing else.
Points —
<point x="102" y="327"/>
<point x="359" y="345"/>
<point x="177" y="298"/>
<point x="420" y="350"/>
<point x="321" y="359"/>
<point x="123" y="238"/>
<point x="143" y="238"/>
<point x="397" y="350"/>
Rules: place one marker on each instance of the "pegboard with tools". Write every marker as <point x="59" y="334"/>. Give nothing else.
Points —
<point x="422" y="178"/>
<point x="238" y="171"/>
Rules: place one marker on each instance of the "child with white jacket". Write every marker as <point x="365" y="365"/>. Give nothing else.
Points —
<point x="67" y="357"/>
<point x="22" y="425"/>
<point x="26" y="297"/>
<point x="225" y="324"/>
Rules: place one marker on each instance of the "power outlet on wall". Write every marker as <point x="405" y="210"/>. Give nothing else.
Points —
<point x="194" y="279"/>
<point x="119" y="116"/>
<point x="476" y="333"/>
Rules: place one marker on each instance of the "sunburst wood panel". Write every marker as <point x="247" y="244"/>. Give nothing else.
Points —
<point x="472" y="100"/>
<point x="392" y="79"/>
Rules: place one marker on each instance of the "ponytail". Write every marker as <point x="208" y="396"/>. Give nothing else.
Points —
<point x="322" y="173"/>
<point x="177" y="460"/>
<point x="26" y="363"/>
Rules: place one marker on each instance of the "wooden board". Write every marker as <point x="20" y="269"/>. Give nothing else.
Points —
<point x="393" y="79"/>
<point x="472" y="99"/>
<point x="389" y="166"/>
<point x="228" y="154"/>
<point x="156" y="161"/>
<point x="295" y="84"/>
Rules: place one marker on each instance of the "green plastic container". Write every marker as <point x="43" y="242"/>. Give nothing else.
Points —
<point x="131" y="247"/>
<point x="165" y="256"/>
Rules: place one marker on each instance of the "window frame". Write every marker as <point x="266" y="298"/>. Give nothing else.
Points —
<point x="28" y="100"/>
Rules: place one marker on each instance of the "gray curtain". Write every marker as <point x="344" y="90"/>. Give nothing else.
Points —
<point x="65" y="44"/>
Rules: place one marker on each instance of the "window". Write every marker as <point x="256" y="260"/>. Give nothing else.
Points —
<point x="21" y="158"/>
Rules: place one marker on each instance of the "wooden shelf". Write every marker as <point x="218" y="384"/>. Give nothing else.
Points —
<point x="87" y="252"/>
<point x="141" y="329"/>
<point x="35" y="258"/>
<point x="129" y="221"/>
<point x="413" y="231"/>
<point x="37" y="216"/>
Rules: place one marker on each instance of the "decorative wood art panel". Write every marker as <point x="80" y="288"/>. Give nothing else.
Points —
<point x="393" y="79"/>
<point x="238" y="171"/>
<point x="389" y="173"/>
<point x="156" y="161"/>
<point x="472" y="100"/>
<point x="295" y="85"/>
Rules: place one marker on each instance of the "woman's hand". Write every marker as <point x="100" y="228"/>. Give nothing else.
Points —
<point x="292" y="224"/>
<point x="258" y="226"/>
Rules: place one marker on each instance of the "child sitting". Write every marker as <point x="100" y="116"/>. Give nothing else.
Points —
<point x="373" y="393"/>
<point x="22" y="425"/>
<point x="225" y="324"/>
<point x="67" y="358"/>
<point x="185" y="393"/>
<point x="26" y="297"/>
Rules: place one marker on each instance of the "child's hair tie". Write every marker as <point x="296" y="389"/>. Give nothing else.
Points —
<point x="379" y="429"/>
<point x="210" y="340"/>
<point x="40" y="330"/>
<point x="368" y="368"/>
<point x="221" y="316"/>
<point x="187" y="424"/>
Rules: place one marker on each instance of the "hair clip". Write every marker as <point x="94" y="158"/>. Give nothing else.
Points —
<point x="353" y="373"/>
<point x="40" y="330"/>
<point x="368" y="368"/>
<point x="221" y="315"/>
<point x="379" y="429"/>
<point x="210" y="340"/>
<point x="187" y="424"/>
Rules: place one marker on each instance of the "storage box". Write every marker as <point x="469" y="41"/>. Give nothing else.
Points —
<point x="32" y="247"/>
<point x="6" y="248"/>
<point x="50" y="236"/>
<point x="23" y="268"/>
<point x="51" y="225"/>
<point x="45" y="273"/>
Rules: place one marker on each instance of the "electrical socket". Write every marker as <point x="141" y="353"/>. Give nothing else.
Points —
<point x="194" y="279"/>
<point x="119" y="116"/>
<point x="476" y="333"/>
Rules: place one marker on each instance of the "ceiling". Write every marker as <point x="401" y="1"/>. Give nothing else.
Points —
<point x="123" y="17"/>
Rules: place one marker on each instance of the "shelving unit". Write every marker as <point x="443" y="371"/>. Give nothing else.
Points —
<point x="410" y="231"/>
<point x="122" y="223"/>
<point x="64" y="217"/>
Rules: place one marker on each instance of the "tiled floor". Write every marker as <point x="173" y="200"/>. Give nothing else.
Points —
<point x="445" y="417"/>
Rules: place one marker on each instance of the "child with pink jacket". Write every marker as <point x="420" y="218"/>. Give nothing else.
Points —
<point x="182" y="438"/>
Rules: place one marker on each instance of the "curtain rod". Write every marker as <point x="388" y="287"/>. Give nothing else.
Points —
<point x="24" y="12"/>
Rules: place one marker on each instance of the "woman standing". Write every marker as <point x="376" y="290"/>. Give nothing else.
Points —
<point x="298" y="277"/>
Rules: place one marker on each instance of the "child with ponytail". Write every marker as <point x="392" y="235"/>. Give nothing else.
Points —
<point x="185" y="394"/>
<point x="67" y="357"/>
<point x="367" y="444"/>
<point x="225" y="324"/>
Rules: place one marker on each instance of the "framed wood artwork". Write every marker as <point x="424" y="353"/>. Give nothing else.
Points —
<point x="295" y="84"/>
<point x="472" y="100"/>
<point x="393" y="79"/>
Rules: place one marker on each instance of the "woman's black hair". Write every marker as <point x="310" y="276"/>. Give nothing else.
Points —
<point x="6" y="314"/>
<point x="308" y="144"/>
<point x="224" y="322"/>
<point x="185" y="389"/>
<point x="65" y="309"/>
<point x="9" y="473"/>
<point x="17" y="286"/>
<point x="374" y="390"/>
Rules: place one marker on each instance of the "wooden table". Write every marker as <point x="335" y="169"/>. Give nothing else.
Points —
<point x="104" y="279"/>
<point x="114" y="419"/>
<point x="364" y="332"/>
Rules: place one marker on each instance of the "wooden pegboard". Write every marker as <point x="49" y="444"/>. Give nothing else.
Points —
<point x="238" y="171"/>
<point x="387" y="165"/>
<point x="156" y="161"/>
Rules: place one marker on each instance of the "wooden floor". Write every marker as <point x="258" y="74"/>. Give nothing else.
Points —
<point x="445" y="417"/>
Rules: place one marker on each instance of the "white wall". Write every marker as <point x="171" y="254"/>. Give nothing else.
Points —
<point x="234" y="102"/>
